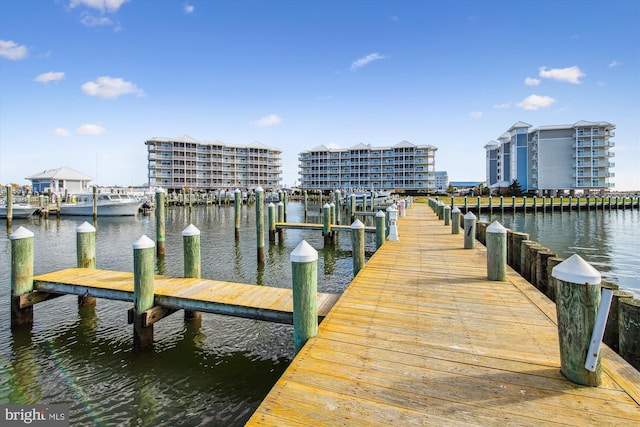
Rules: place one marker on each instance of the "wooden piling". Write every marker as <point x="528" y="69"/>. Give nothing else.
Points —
<point x="455" y="221"/>
<point x="9" y="206"/>
<point x="496" y="238"/>
<point x="337" y="196"/>
<point x="86" y="255"/>
<point x="237" y="210"/>
<point x="143" y="288"/>
<point x="576" y="306"/>
<point x="357" y="245"/>
<point x="352" y="207"/>
<point x="280" y="217"/>
<point x="192" y="262"/>
<point x="447" y="214"/>
<point x="629" y="330"/>
<point x="160" y="222"/>
<point x="22" y="249"/>
<point x="612" y="330"/>
<point x="516" y="247"/>
<point x="305" y="202"/>
<point x="542" y="278"/>
<point x="271" y="217"/>
<point x="326" y="223"/>
<point x="304" y="266"/>
<point x="380" y="229"/>
<point x="95" y="203"/>
<point x="260" y="223"/>
<point x="469" y="231"/>
<point x="285" y="203"/>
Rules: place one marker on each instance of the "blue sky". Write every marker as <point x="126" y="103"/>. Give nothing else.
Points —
<point x="83" y="83"/>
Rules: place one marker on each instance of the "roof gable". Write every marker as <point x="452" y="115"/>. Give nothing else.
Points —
<point x="61" y="173"/>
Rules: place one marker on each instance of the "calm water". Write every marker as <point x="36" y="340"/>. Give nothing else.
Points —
<point x="609" y="240"/>
<point x="216" y="374"/>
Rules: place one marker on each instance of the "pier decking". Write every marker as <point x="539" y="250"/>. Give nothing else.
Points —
<point x="211" y="296"/>
<point x="421" y="337"/>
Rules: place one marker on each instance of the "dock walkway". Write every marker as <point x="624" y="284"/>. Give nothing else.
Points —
<point x="421" y="337"/>
<point x="210" y="296"/>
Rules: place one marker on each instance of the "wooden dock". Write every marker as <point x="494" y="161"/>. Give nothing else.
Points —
<point x="310" y="226"/>
<point x="421" y="337"/>
<point x="210" y="296"/>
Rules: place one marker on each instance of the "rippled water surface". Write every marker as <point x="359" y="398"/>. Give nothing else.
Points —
<point x="215" y="373"/>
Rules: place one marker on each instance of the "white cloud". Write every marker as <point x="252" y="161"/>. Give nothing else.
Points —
<point x="615" y="63"/>
<point x="569" y="74"/>
<point x="90" y="129"/>
<point x="536" y="102"/>
<point x="270" y="120"/>
<point x="12" y="50"/>
<point x="101" y="5"/>
<point x="361" y="62"/>
<point x="96" y="21"/>
<point x="61" y="132"/>
<point x="476" y="114"/>
<point x="49" y="77"/>
<point x="502" y="106"/>
<point x="110" y="87"/>
<point x="530" y="81"/>
<point x="188" y="8"/>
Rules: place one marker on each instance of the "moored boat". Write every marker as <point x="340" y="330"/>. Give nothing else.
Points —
<point x="19" y="211"/>
<point x="107" y="205"/>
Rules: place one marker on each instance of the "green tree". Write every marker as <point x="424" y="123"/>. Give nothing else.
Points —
<point x="514" y="189"/>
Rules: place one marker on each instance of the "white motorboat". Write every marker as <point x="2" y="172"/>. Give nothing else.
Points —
<point x="20" y="210"/>
<point x="107" y="204"/>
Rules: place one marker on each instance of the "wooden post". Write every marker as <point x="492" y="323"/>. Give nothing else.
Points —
<point x="612" y="330"/>
<point x="352" y="207"/>
<point x="237" y="210"/>
<point x="260" y="223"/>
<point x="380" y="229"/>
<point x="192" y="263"/>
<point x="280" y="217"/>
<point x="469" y="230"/>
<point x="285" y="202"/>
<point x="576" y="306"/>
<point x="326" y="223"/>
<point x="490" y="204"/>
<point x="502" y="203"/>
<point x="455" y="220"/>
<point x="304" y="266"/>
<point x="337" y="201"/>
<point x="271" y="217"/>
<point x="516" y="242"/>
<point x="357" y="245"/>
<point x="9" y="206"/>
<point x="542" y="278"/>
<point x="629" y="330"/>
<point x="466" y="208"/>
<point x="447" y="214"/>
<point x="22" y="250"/>
<point x="553" y="283"/>
<point x="160" y="222"/>
<point x="143" y="287"/>
<point x="525" y="259"/>
<point x="479" y="201"/>
<point x="95" y="202"/>
<point x="496" y="238"/>
<point x="86" y="255"/>
<point x="524" y="203"/>
<point x="535" y="204"/>
<point x="304" y="197"/>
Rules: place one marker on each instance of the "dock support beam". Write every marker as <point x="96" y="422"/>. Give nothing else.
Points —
<point x="357" y="244"/>
<point x="237" y="210"/>
<point x="578" y="287"/>
<point x="143" y="288"/>
<point x="496" y="239"/>
<point x="21" y="276"/>
<point x="86" y="255"/>
<point x="304" y="266"/>
<point x="260" y="223"/>
<point x="192" y="264"/>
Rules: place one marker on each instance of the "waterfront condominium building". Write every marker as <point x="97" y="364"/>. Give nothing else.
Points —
<point x="552" y="159"/>
<point x="184" y="163"/>
<point x="403" y="166"/>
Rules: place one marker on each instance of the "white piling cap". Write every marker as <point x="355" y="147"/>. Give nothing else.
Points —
<point x="447" y="207"/>
<point x="380" y="214"/>
<point x="304" y="252"/>
<point x="259" y="188"/>
<point x="271" y="205"/>
<point x="21" y="233"/>
<point x="333" y="205"/>
<point x="160" y="190"/>
<point x="576" y="270"/>
<point x="469" y="215"/>
<point x="280" y="203"/>
<point x="455" y="210"/>
<point x="237" y="190"/>
<point x="393" y="207"/>
<point x="357" y="224"/>
<point x="326" y="206"/>
<point x="191" y="230"/>
<point x="144" y="243"/>
<point x="496" y="228"/>
<point x="85" y="227"/>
